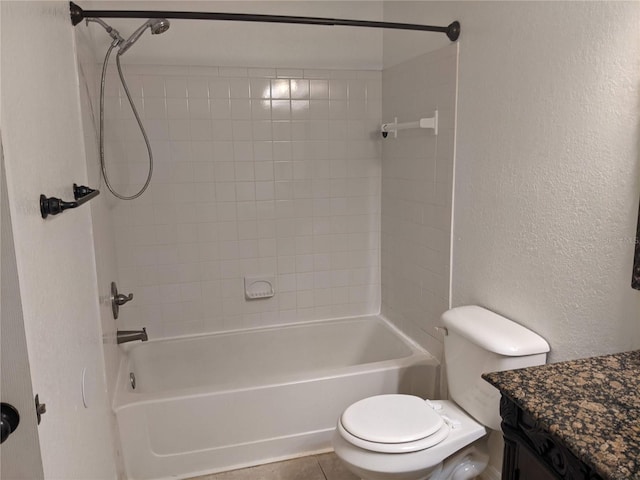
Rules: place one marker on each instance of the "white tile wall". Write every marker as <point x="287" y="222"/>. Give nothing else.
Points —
<point x="256" y="171"/>
<point x="417" y="185"/>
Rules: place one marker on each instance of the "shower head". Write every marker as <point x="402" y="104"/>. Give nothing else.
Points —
<point x="159" y="25"/>
<point x="156" y="25"/>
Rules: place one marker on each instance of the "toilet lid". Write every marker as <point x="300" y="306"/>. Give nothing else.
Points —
<point x="391" y="419"/>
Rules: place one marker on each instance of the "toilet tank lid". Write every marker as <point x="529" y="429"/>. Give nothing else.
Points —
<point x="493" y="332"/>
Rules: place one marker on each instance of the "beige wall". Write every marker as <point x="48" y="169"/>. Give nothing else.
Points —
<point x="546" y="178"/>
<point x="547" y="166"/>
<point x="44" y="153"/>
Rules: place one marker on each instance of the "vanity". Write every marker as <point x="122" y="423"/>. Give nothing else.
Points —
<point x="572" y="420"/>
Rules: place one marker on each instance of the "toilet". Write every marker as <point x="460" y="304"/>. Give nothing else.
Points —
<point x="404" y="437"/>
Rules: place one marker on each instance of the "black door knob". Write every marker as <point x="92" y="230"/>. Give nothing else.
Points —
<point x="9" y="420"/>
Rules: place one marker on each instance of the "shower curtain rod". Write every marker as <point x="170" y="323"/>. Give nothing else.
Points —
<point x="78" y="14"/>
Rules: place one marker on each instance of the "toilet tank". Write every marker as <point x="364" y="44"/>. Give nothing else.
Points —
<point x="480" y="341"/>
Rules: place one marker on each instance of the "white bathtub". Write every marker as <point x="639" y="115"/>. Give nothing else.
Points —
<point x="210" y="403"/>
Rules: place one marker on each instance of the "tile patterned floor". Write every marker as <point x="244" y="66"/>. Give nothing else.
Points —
<point x="315" y="467"/>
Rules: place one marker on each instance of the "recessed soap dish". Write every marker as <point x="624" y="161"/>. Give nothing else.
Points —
<point x="259" y="286"/>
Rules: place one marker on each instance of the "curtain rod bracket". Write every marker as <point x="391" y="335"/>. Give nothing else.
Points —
<point x="77" y="14"/>
<point x="453" y="31"/>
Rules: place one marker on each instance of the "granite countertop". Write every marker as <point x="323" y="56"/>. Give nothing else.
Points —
<point x="591" y="405"/>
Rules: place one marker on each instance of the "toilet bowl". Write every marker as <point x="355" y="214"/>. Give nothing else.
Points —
<point x="403" y="437"/>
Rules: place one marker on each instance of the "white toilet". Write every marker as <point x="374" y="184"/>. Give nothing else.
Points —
<point x="403" y="437"/>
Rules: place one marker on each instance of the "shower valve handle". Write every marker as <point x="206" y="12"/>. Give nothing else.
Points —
<point x="118" y="299"/>
<point x="121" y="299"/>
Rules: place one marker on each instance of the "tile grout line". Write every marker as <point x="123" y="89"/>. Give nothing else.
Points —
<point x="321" y="469"/>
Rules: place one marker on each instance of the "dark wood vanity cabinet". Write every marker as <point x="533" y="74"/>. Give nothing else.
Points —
<point x="531" y="453"/>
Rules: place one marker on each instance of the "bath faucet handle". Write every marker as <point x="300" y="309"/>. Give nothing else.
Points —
<point x="121" y="298"/>
<point x="118" y="299"/>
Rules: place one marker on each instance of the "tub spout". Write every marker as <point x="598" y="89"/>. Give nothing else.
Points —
<point x="124" y="336"/>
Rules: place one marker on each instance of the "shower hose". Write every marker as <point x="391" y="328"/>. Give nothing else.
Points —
<point x="103" y="166"/>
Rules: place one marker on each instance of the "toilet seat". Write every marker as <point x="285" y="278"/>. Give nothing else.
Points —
<point x="392" y="424"/>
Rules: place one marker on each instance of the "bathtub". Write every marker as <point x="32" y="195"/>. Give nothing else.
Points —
<point x="208" y="403"/>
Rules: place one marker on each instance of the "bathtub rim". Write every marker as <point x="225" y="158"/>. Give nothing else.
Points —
<point x="126" y="347"/>
<point x="123" y="399"/>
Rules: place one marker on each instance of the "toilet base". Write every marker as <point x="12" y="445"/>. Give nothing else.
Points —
<point x="466" y="464"/>
<point x="380" y="466"/>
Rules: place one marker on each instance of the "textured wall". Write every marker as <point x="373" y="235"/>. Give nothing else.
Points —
<point x="20" y="457"/>
<point x="546" y="178"/>
<point x="546" y="170"/>
<point x="44" y="153"/>
<point x="547" y="175"/>
<point x="417" y="186"/>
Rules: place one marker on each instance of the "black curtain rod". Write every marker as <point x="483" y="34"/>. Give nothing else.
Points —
<point x="78" y="14"/>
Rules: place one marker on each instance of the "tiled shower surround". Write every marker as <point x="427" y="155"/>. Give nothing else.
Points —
<point x="417" y="183"/>
<point x="256" y="171"/>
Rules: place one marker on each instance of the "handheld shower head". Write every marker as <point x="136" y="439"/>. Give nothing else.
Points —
<point x="156" y="25"/>
<point x="159" y="25"/>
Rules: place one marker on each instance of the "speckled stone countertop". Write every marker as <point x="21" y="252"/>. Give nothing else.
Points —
<point x="591" y="405"/>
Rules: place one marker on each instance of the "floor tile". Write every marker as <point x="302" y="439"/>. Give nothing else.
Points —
<point x="333" y="468"/>
<point x="306" y="468"/>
